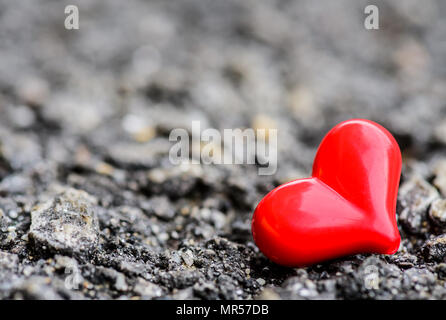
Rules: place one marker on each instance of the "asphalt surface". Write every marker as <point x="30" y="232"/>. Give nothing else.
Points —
<point x="92" y="208"/>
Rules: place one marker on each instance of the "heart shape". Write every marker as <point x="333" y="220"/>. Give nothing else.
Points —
<point x="347" y="206"/>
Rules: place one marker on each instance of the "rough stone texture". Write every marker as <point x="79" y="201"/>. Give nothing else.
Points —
<point x="90" y="111"/>
<point x="437" y="213"/>
<point x="435" y="249"/>
<point x="67" y="222"/>
<point x="415" y="197"/>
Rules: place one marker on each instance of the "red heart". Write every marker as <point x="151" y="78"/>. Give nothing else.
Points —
<point x="347" y="206"/>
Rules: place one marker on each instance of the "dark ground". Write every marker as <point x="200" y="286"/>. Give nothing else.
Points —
<point x="89" y="200"/>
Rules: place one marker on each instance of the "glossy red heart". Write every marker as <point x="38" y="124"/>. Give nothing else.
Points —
<point x="347" y="206"/>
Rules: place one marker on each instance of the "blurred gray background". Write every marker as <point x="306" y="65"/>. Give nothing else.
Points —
<point x="299" y="65"/>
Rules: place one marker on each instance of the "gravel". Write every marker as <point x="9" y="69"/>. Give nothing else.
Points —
<point x="67" y="222"/>
<point x="415" y="198"/>
<point x="437" y="213"/>
<point x="92" y="208"/>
